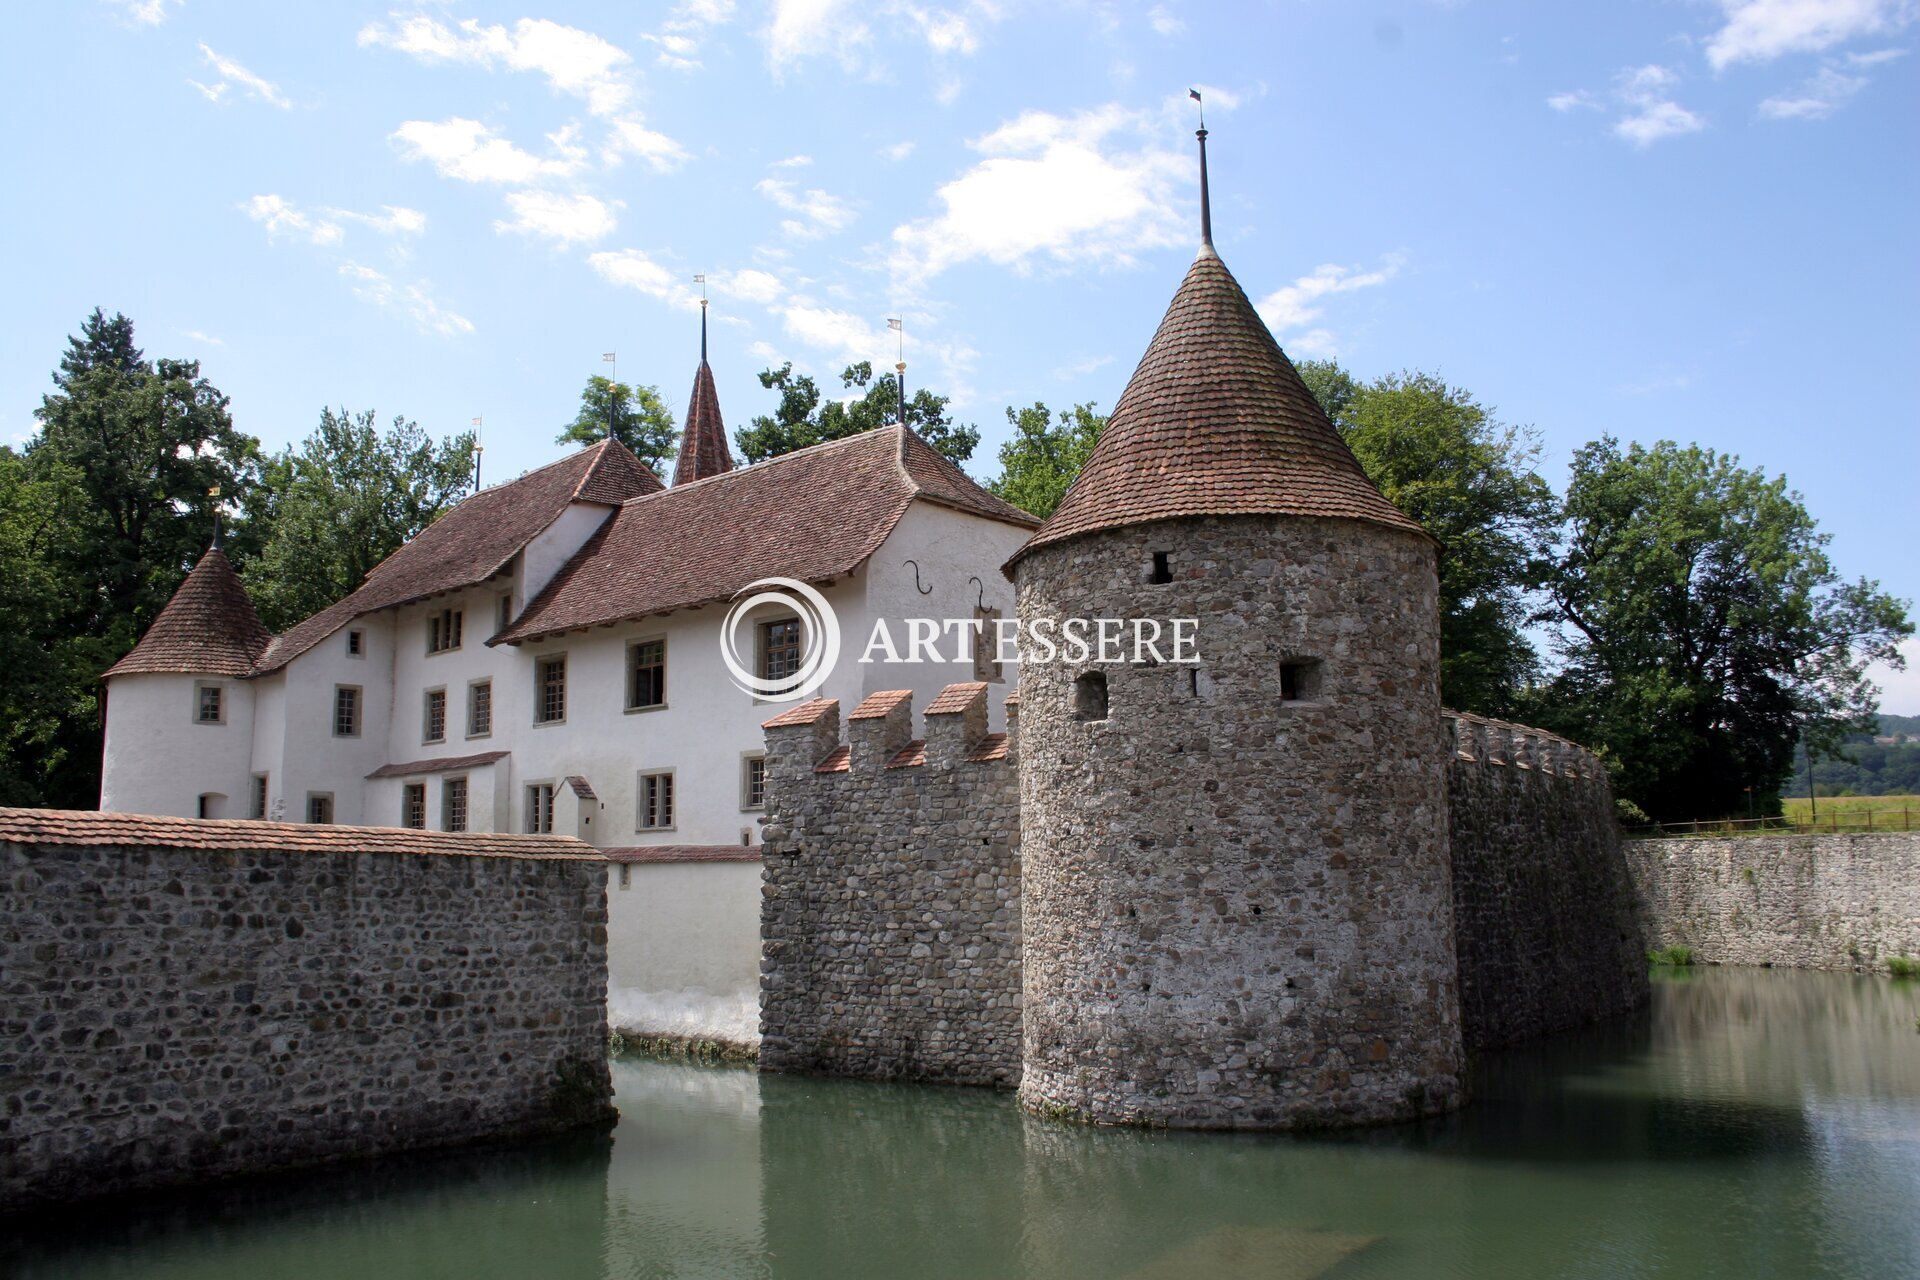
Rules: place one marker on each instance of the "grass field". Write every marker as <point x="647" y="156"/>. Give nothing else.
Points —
<point x="1851" y="806"/>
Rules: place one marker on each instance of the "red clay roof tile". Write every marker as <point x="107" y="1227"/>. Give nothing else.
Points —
<point x="809" y="712"/>
<point x="910" y="756"/>
<point x="877" y="706"/>
<point x="685" y="853"/>
<point x="703" y="439"/>
<point x="956" y="698"/>
<point x="83" y="827"/>
<point x="441" y="764"/>
<point x="208" y="628"/>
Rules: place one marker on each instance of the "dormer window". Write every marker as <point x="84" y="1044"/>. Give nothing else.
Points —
<point x="443" y="631"/>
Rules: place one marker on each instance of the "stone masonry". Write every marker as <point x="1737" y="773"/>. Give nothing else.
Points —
<point x="182" y="1000"/>
<point x="1543" y="908"/>
<point x="1812" y="902"/>
<point x="891" y="917"/>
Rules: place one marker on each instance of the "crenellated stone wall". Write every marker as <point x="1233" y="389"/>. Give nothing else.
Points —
<point x="1543" y="907"/>
<point x="183" y="1000"/>
<point x="890" y="922"/>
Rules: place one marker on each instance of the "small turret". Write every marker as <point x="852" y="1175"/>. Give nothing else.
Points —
<point x="209" y="627"/>
<point x="703" y="441"/>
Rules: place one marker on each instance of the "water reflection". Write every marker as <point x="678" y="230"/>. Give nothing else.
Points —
<point x="1751" y="1123"/>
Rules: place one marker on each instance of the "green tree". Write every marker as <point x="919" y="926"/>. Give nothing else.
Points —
<point x="801" y="420"/>
<point x="1470" y="480"/>
<point x="348" y="498"/>
<point x="1041" y="460"/>
<point x="636" y="416"/>
<point x="1703" y="628"/>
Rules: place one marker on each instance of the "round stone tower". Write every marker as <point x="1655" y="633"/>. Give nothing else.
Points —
<point x="1236" y="892"/>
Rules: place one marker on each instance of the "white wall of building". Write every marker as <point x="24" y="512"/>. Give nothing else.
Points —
<point x="683" y="949"/>
<point x="160" y="759"/>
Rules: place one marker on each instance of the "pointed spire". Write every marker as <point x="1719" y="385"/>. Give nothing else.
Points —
<point x="703" y="440"/>
<point x="208" y="628"/>
<point x="1206" y="206"/>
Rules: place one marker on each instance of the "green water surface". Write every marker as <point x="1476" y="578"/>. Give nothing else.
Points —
<point x="1753" y="1123"/>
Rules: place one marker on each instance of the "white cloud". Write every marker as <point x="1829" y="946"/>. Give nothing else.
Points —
<point x="580" y="219"/>
<point x="1875" y="58"/>
<point x="1081" y="368"/>
<point x="469" y="150"/>
<point x="282" y="219"/>
<point x="1163" y="22"/>
<point x="633" y="269"/>
<point x="748" y="285"/>
<point x="804" y="28"/>
<point x="792" y="162"/>
<point x="231" y="74"/>
<point x="393" y="220"/>
<point x="574" y="62"/>
<point x="143" y="13"/>
<point x="801" y="29"/>
<point x="629" y="136"/>
<point x="897" y="151"/>
<point x="1762" y="30"/>
<point x="1291" y="309"/>
<point x="1652" y="112"/>
<point x="679" y="36"/>
<point x="412" y="299"/>
<point x="207" y="338"/>
<point x="1815" y="98"/>
<point x="1087" y="188"/>
<point x="1570" y="101"/>
<point x="819" y="213"/>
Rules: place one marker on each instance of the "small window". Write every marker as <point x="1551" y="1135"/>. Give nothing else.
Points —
<point x="434" y="721"/>
<point x="503" y="614"/>
<point x="209" y="704"/>
<point x="753" y="782"/>
<point x="540" y="808"/>
<point x="413" y="806"/>
<point x="453" y="804"/>
<point x="646" y="674"/>
<point x="257" y="804"/>
<point x="443" y="631"/>
<point x="346" y="711"/>
<point x="626" y="875"/>
<point x="986" y="645"/>
<point x="480" y="709"/>
<point x="656" y="801"/>
<point x="205" y="807"/>
<point x="1299" y="680"/>
<point x="550" y="689"/>
<point x="780" y="649"/>
<point x="356" y="644"/>
<point x="1162" y="570"/>
<point x="319" y="808"/>
<point x="1090" y="696"/>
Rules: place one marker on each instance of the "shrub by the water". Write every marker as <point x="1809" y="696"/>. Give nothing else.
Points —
<point x="1903" y="967"/>
<point x="1674" y="955"/>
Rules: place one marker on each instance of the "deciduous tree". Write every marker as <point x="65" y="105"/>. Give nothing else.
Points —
<point x="802" y="420"/>
<point x="1041" y="460"/>
<point x="636" y="416"/>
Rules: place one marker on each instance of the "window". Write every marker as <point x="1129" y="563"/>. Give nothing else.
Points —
<point x="1299" y="680"/>
<point x="434" y="725"/>
<point x="656" y="801"/>
<point x="209" y="707"/>
<point x="779" y="648"/>
<point x="413" y="806"/>
<point x="257" y="805"/>
<point x="205" y="807"/>
<point x="453" y="804"/>
<point x="480" y="709"/>
<point x="550" y="689"/>
<point x="346" y="711"/>
<point x="1162" y="571"/>
<point x="626" y="875"/>
<point x="646" y="674"/>
<point x="443" y="631"/>
<point x="1090" y="696"/>
<point x="356" y="644"/>
<point x="540" y="808"/>
<point x="986" y="644"/>
<point x="319" y="808"/>
<point x="504" y="613"/>
<point x="753" y="782"/>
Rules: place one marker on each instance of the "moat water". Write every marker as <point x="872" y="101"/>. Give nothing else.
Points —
<point x="1752" y="1123"/>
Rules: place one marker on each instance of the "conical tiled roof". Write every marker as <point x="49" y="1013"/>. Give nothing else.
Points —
<point x="1215" y="422"/>
<point x="209" y="628"/>
<point x="703" y="442"/>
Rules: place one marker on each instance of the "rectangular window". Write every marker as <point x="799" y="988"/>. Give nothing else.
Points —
<point x="753" y="782"/>
<point x="647" y="674"/>
<point x="540" y="808"/>
<point x="443" y="631"/>
<point x="346" y="711"/>
<point x="550" y="689"/>
<point x="779" y="648"/>
<point x="413" y="806"/>
<point x="986" y="645"/>
<point x="656" y="801"/>
<point x="453" y="804"/>
<point x="205" y="809"/>
<point x="356" y="644"/>
<point x="480" y="709"/>
<point x="209" y="704"/>
<point x="257" y="804"/>
<point x="319" y="808"/>
<point x="434" y="728"/>
<point x="505" y="613"/>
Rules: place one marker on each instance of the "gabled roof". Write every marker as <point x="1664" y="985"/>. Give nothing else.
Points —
<point x="208" y="628"/>
<point x="814" y="514"/>
<point x="703" y="441"/>
<point x="1215" y="421"/>
<point x="476" y="540"/>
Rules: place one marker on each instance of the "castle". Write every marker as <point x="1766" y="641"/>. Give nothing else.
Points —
<point x="1276" y="888"/>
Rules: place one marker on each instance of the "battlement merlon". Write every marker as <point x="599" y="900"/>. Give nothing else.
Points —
<point x="800" y="737"/>
<point x="1504" y="744"/>
<point x="806" y="739"/>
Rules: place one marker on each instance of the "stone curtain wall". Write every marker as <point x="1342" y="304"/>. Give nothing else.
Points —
<point x="183" y="1000"/>
<point x="1812" y="902"/>
<point x="1542" y="903"/>
<point x="890" y="923"/>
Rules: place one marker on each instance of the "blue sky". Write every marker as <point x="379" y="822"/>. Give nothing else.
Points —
<point x="1688" y="219"/>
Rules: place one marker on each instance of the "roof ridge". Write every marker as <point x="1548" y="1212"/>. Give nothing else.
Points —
<point x="753" y="467"/>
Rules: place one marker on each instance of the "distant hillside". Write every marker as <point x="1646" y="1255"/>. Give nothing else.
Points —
<point x="1868" y="767"/>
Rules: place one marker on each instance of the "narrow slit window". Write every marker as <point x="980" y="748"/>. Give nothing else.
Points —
<point x="257" y="806"/>
<point x="753" y="783"/>
<point x="1090" y="696"/>
<point x="1162" y="570"/>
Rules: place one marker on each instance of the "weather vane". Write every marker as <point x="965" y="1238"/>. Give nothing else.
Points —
<point x="900" y="368"/>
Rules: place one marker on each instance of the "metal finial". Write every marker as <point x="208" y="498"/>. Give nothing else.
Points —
<point x="219" y="534"/>
<point x="701" y="280"/>
<point x="900" y="367"/>
<point x="1206" y="206"/>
